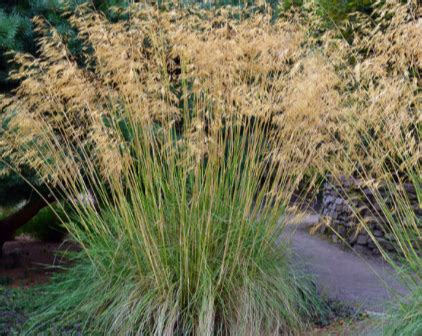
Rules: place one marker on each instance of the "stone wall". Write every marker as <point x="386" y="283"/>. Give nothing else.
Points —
<point x="343" y="215"/>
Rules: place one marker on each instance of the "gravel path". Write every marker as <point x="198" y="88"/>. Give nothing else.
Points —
<point x="365" y="282"/>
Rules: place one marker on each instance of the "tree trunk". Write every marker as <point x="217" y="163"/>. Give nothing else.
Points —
<point x="9" y="225"/>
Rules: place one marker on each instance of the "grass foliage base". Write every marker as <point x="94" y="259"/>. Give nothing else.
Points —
<point x="406" y="317"/>
<point x="279" y="300"/>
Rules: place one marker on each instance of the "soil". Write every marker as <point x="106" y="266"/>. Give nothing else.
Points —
<point x="27" y="262"/>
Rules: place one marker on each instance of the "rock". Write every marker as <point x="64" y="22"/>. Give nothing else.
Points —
<point x="389" y="246"/>
<point x="389" y="236"/>
<point x="362" y="239"/>
<point x="341" y="230"/>
<point x="371" y="245"/>
<point x="378" y="233"/>
<point x="361" y="198"/>
<point x="349" y="223"/>
<point x="361" y="249"/>
<point x="377" y="208"/>
<point x="365" y="212"/>
<point x="410" y="188"/>
<point x="352" y="239"/>
<point x="376" y="252"/>
<point x="367" y="192"/>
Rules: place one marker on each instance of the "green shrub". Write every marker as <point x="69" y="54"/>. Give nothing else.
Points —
<point x="17" y="29"/>
<point x="46" y="226"/>
<point x="333" y="11"/>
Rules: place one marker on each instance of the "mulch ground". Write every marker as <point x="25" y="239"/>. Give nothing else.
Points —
<point x="27" y="262"/>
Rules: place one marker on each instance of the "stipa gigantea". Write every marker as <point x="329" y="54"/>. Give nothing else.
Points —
<point x="173" y="135"/>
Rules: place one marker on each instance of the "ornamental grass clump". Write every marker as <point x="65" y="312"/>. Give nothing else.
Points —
<point x="171" y="149"/>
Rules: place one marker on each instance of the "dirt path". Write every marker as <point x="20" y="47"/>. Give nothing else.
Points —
<point x="365" y="282"/>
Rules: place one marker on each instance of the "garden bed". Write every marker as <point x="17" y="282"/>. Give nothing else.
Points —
<point x="28" y="262"/>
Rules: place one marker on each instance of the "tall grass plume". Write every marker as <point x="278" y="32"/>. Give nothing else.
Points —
<point x="172" y="149"/>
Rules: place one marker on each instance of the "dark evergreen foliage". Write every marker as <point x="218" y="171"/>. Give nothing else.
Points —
<point x="16" y="27"/>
